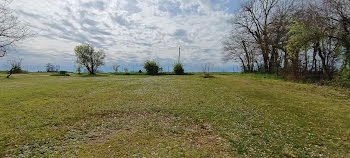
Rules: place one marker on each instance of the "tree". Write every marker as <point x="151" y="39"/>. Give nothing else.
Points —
<point x="337" y="12"/>
<point x="126" y="70"/>
<point x="116" y="68"/>
<point x="240" y="47"/>
<point x="11" y="29"/>
<point x="206" y="70"/>
<point x="15" y="66"/>
<point x="88" y="57"/>
<point x="50" y="68"/>
<point x="265" y="22"/>
<point x="178" y="69"/>
<point x="255" y="19"/>
<point x="152" y="67"/>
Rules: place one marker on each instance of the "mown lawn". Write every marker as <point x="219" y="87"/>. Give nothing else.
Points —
<point x="176" y="116"/>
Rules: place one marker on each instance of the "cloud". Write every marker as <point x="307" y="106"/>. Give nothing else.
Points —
<point x="129" y="30"/>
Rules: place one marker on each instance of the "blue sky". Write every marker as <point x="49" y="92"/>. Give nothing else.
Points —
<point x="130" y="32"/>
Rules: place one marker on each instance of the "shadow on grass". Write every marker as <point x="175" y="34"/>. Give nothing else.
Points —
<point x="208" y="76"/>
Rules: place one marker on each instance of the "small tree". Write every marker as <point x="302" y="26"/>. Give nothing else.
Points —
<point x="151" y="67"/>
<point x="116" y="68"/>
<point x="178" y="69"/>
<point x="50" y="67"/>
<point x="206" y="70"/>
<point x="126" y="70"/>
<point x="15" y="67"/>
<point x="88" y="57"/>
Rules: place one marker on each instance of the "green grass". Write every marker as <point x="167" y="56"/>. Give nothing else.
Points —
<point x="177" y="116"/>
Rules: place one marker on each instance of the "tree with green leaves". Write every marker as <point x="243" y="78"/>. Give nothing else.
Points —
<point x="152" y="67"/>
<point x="178" y="69"/>
<point x="89" y="57"/>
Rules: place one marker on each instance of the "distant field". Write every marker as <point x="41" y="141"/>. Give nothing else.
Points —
<point x="231" y="115"/>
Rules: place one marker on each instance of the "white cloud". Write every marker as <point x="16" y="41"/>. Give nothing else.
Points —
<point x="128" y="30"/>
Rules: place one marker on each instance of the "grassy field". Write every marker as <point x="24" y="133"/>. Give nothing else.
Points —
<point x="177" y="116"/>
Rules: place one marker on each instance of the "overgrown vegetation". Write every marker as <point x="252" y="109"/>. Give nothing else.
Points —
<point x="299" y="40"/>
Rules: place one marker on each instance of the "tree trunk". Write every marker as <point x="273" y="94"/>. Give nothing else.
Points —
<point x="324" y="65"/>
<point x="10" y="73"/>
<point x="295" y="66"/>
<point x="314" y="61"/>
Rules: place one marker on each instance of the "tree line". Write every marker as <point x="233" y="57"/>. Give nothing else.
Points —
<point x="297" y="39"/>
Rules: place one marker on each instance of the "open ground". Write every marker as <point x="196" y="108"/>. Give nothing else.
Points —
<point x="230" y="115"/>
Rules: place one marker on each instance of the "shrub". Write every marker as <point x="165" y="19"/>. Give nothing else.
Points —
<point x="140" y="71"/>
<point x="178" y="69"/>
<point x="151" y="67"/>
<point x="345" y="78"/>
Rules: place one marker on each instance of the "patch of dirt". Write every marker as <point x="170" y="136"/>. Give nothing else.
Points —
<point x="130" y="129"/>
<point x="130" y="134"/>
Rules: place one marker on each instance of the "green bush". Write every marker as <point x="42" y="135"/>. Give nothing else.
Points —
<point x="178" y="69"/>
<point x="345" y="77"/>
<point x="151" y="67"/>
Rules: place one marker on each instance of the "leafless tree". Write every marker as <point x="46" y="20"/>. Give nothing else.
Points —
<point x="255" y="19"/>
<point x="11" y="29"/>
<point x="206" y="70"/>
<point x="15" y="64"/>
<point x="337" y="12"/>
<point x="240" y="47"/>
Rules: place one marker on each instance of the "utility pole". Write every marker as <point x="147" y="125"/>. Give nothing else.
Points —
<point x="179" y="54"/>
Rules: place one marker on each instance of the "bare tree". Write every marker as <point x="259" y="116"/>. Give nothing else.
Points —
<point x="116" y="68"/>
<point x="11" y="29"/>
<point x="240" y="47"/>
<point x="255" y="18"/>
<point x="15" y="66"/>
<point x="206" y="70"/>
<point x="337" y="12"/>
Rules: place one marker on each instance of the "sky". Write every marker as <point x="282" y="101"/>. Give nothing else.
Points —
<point x="129" y="31"/>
